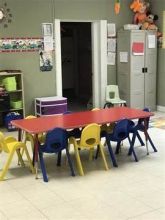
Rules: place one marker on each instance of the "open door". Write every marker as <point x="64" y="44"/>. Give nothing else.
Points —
<point x="99" y="60"/>
<point x="58" y="67"/>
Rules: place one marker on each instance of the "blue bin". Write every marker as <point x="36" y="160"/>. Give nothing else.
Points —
<point x="9" y="117"/>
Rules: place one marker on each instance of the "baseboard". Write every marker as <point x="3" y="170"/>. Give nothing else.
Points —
<point x="160" y="108"/>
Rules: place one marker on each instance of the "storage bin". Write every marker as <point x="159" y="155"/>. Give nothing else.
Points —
<point x="50" y="105"/>
<point x="16" y="104"/>
<point x="9" y="117"/>
<point x="10" y="83"/>
<point x="10" y="87"/>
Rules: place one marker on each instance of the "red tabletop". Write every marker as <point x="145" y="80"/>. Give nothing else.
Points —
<point x="79" y="119"/>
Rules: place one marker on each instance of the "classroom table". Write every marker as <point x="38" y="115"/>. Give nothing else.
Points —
<point x="77" y="120"/>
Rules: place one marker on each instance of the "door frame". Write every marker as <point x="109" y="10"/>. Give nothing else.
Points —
<point x="99" y="58"/>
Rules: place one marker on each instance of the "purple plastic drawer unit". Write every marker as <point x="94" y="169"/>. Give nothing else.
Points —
<point x="50" y="105"/>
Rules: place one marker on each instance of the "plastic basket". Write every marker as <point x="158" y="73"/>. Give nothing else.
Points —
<point x="16" y="104"/>
<point x="10" y="83"/>
<point x="10" y="87"/>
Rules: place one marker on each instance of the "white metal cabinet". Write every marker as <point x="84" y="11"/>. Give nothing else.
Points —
<point x="136" y="76"/>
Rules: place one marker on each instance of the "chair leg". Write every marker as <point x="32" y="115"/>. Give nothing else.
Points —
<point x="152" y="144"/>
<point x="59" y="159"/>
<point x="117" y="147"/>
<point x="29" y="159"/>
<point x="70" y="162"/>
<point x="140" y="139"/>
<point x="103" y="156"/>
<point x="79" y="164"/>
<point x="112" y="154"/>
<point x="131" y="149"/>
<point x="45" y="178"/>
<point x="20" y="160"/>
<point x="91" y="152"/>
<point x="97" y="152"/>
<point x="6" y="167"/>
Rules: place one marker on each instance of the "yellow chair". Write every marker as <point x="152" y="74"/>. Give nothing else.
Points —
<point x="10" y="145"/>
<point x="30" y="137"/>
<point x="90" y="137"/>
<point x="106" y="127"/>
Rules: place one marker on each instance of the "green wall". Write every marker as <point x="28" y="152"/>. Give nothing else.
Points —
<point x="27" y="19"/>
<point x="26" y="22"/>
<point x="158" y="6"/>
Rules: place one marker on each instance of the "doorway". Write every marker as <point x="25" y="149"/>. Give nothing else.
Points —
<point x="76" y="56"/>
<point x="99" y="59"/>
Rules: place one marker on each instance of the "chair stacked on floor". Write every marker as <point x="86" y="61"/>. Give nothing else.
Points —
<point x="90" y="137"/>
<point x="10" y="145"/>
<point x="56" y="141"/>
<point x="112" y="96"/>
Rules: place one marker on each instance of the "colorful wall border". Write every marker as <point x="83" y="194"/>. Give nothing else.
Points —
<point x="22" y="44"/>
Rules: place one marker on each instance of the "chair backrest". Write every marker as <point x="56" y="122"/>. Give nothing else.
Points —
<point x="95" y="109"/>
<point x="112" y="92"/>
<point x="142" y="120"/>
<point x="121" y="130"/>
<point x="56" y="140"/>
<point x="90" y="136"/>
<point x="3" y="145"/>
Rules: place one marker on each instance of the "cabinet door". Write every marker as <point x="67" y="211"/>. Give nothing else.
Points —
<point x="150" y="75"/>
<point x="136" y="74"/>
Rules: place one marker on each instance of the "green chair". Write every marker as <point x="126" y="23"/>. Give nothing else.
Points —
<point x="112" y="97"/>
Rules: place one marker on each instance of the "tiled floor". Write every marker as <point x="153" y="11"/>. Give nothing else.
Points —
<point x="133" y="191"/>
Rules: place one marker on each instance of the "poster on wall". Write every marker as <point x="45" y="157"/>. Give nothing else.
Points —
<point x="46" y="60"/>
<point x="111" y="58"/>
<point x="111" y="30"/>
<point x="24" y="44"/>
<point x="111" y="44"/>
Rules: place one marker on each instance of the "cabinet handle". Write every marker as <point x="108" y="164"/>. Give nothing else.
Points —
<point x="146" y="70"/>
<point x="143" y="70"/>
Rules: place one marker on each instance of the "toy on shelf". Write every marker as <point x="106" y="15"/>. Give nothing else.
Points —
<point x="149" y="23"/>
<point x="140" y="7"/>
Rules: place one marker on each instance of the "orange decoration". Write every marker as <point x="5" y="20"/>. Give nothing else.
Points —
<point x="117" y="7"/>
<point x="136" y="5"/>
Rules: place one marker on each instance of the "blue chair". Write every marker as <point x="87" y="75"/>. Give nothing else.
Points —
<point x="76" y="132"/>
<point x="140" y="126"/>
<point x="120" y="133"/>
<point x="56" y="141"/>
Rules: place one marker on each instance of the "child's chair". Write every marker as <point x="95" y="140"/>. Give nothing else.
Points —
<point x="56" y="141"/>
<point x="112" y="96"/>
<point x="10" y="145"/>
<point x="140" y="126"/>
<point x="30" y="137"/>
<point x="90" y="137"/>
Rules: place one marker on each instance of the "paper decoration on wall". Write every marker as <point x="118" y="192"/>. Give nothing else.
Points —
<point x="46" y="60"/>
<point x="138" y="48"/>
<point x="123" y="57"/>
<point x="151" y="41"/>
<point x="20" y="44"/>
<point x="111" y="30"/>
<point x="47" y="33"/>
<point x="111" y="58"/>
<point x="117" y="6"/>
<point x="5" y="15"/>
<point x="111" y="44"/>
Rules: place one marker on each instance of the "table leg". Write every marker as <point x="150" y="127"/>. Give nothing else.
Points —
<point x="36" y="154"/>
<point x="146" y="134"/>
